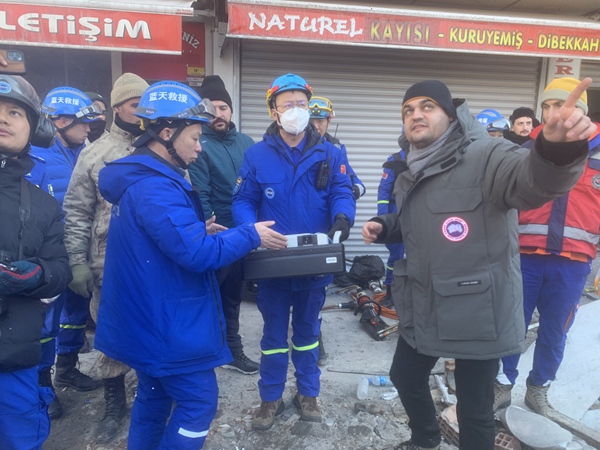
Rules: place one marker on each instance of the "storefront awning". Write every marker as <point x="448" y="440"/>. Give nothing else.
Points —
<point x="151" y="26"/>
<point x="414" y="28"/>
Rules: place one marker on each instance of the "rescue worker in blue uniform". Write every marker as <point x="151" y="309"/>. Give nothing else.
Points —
<point x="387" y="205"/>
<point x="294" y="177"/>
<point x="160" y="310"/>
<point x="71" y="111"/>
<point x="34" y="267"/>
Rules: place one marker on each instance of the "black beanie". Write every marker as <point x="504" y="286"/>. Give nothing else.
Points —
<point x="213" y="88"/>
<point x="434" y="90"/>
<point x="523" y="111"/>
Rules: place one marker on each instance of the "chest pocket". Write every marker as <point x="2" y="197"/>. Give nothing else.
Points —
<point x="271" y="183"/>
<point x="456" y="231"/>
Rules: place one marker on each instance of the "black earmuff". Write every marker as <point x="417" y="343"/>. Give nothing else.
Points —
<point x="44" y="133"/>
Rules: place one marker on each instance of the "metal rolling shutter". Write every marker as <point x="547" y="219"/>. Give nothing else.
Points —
<point x="591" y="68"/>
<point x="366" y="86"/>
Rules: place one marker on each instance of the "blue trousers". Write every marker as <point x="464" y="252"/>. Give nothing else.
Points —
<point x="396" y="252"/>
<point x="274" y="304"/>
<point x="554" y="285"/>
<point x="24" y="421"/>
<point x="64" y="328"/>
<point x="195" y="396"/>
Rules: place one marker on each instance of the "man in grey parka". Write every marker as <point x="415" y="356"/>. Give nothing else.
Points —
<point x="458" y="293"/>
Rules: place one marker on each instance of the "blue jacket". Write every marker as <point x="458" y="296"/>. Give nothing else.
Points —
<point x="60" y="162"/>
<point x="160" y="309"/>
<point x="361" y="190"/>
<point x="385" y="192"/>
<point x="271" y="187"/>
<point x="38" y="174"/>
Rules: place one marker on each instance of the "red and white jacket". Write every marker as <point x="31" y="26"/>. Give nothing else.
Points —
<point x="569" y="225"/>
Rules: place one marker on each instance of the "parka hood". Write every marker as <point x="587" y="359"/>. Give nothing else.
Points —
<point x="119" y="175"/>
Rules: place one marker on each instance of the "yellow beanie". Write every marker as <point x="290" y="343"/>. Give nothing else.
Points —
<point x="560" y="88"/>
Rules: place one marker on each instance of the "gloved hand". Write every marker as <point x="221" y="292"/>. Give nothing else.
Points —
<point x="26" y="278"/>
<point x="83" y="280"/>
<point x="341" y="223"/>
<point x="356" y="191"/>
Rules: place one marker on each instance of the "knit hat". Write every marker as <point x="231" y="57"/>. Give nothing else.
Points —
<point x="127" y="86"/>
<point x="522" y="111"/>
<point x="434" y="90"/>
<point x="560" y="88"/>
<point x="213" y="88"/>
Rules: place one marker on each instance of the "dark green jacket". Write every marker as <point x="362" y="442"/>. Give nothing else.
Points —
<point x="215" y="171"/>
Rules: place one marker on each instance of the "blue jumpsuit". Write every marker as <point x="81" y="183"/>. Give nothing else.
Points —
<point x="387" y="205"/>
<point x="277" y="183"/>
<point x="63" y="334"/>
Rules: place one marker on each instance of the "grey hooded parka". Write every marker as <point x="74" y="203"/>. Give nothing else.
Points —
<point x="458" y="293"/>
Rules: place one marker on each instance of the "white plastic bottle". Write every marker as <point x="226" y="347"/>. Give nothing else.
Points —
<point x="363" y="388"/>
<point x="381" y="381"/>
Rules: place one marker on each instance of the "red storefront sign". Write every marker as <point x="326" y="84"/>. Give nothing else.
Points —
<point x="413" y="29"/>
<point x="190" y="64"/>
<point x="88" y="28"/>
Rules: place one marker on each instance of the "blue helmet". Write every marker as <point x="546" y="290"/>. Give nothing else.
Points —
<point x="173" y="101"/>
<point x="492" y="120"/>
<point x="284" y="83"/>
<point x="65" y="101"/>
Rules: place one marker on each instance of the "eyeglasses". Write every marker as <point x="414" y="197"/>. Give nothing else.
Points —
<point x="289" y="105"/>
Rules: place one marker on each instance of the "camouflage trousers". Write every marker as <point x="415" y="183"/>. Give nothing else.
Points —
<point x="107" y="367"/>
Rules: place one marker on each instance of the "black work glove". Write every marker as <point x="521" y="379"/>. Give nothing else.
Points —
<point x="341" y="223"/>
<point x="27" y="276"/>
<point x="356" y="191"/>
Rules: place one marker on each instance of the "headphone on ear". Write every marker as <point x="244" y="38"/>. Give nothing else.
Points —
<point x="44" y="133"/>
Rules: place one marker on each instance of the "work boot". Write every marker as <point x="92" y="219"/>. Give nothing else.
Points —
<point x="536" y="398"/>
<point x="502" y="395"/>
<point x="243" y="364"/>
<point x="409" y="445"/>
<point x="55" y="408"/>
<point x="116" y="407"/>
<point x="67" y="374"/>
<point x="322" y="354"/>
<point x="265" y="415"/>
<point x="309" y="409"/>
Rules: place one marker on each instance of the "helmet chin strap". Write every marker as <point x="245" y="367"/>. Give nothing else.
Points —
<point x="169" y="144"/>
<point x="63" y="135"/>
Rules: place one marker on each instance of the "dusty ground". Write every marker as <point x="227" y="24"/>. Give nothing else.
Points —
<point x="352" y="353"/>
<point x="348" y="424"/>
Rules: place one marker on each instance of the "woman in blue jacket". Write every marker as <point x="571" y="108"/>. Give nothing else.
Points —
<point x="160" y="310"/>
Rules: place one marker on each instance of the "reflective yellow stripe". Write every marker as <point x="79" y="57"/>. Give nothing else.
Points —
<point x="43" y="341"/>
<point x="388" y="267"/>
<point x="276" y="350"/>
<point x="306" y="347"/>
<point x="383" y="202"/>
<point x="72" y="327"/>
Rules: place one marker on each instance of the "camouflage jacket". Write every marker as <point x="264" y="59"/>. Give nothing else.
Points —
<point x="87" y="214"/>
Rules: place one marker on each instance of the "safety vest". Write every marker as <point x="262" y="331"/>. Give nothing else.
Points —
<point x="570" y="224"/>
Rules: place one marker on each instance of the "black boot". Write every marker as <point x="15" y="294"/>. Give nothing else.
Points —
<point x="55" y="408"/>
<point x="116" y="407"/>
<point x="387" y="300"/>
<point x="67" y="374"/>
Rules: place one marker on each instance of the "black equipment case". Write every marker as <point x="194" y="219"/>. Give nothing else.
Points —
<point x="300" y="261"/>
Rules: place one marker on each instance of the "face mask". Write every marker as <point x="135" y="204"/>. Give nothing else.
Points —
<point x="294" y="120"/>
